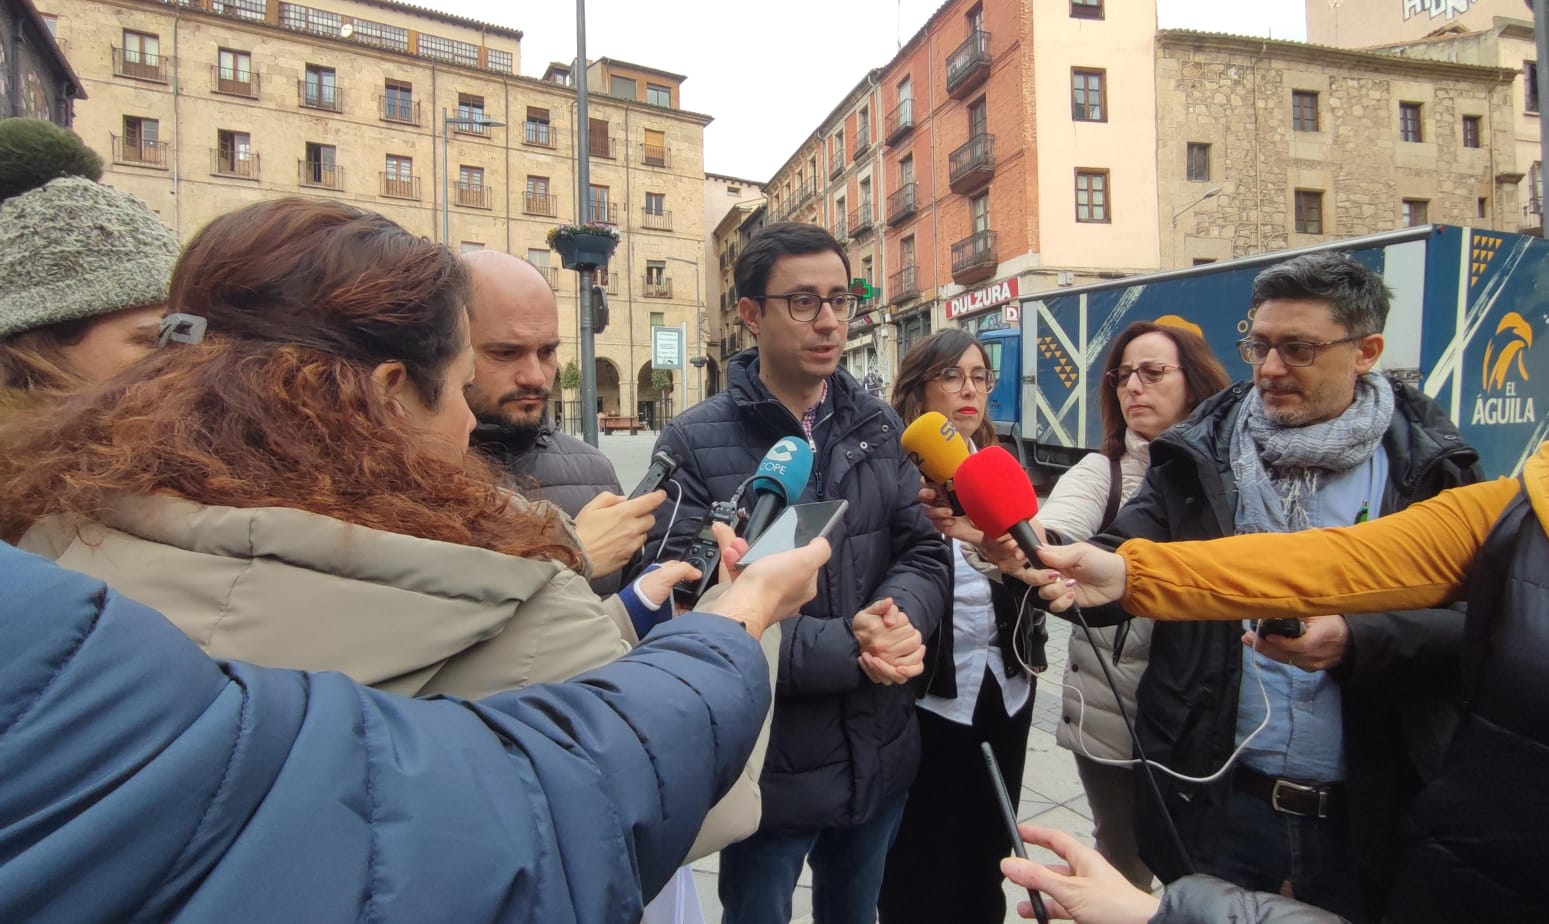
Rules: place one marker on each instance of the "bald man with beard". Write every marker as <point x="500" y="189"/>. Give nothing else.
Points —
<point x="515" y="330"/>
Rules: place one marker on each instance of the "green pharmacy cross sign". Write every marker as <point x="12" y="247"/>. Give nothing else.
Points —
<point x="864" y="289"/>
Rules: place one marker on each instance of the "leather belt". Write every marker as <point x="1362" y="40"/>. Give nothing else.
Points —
<point x="1290" y="797"/>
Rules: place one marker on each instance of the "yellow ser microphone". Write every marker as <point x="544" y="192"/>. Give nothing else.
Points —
<point x="934" y="444"/>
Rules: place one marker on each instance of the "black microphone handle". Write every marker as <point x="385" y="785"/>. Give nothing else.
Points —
<point x="1027" y="540"/>
<point x="763" y="513"/>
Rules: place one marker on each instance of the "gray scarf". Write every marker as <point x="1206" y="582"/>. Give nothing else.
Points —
<point x="1277" y="467"/>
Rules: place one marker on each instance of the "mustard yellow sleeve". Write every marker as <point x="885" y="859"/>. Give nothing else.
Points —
<point x="1413" y="559"/>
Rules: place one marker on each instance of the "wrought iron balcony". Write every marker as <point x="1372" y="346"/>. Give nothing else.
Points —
<point x="233" y="81"/>
<point x="319" y="174"/>
<point x="973" y="164"/>
<point x="600" y="146"/>
<point x="141" y="65"/>
<point x="900" y="121"/>
<point x="314" y="95"/>
<point x="659" y="287"/>
<point x="400" y="187"/>
<point x="904" y="284"/>
<point x="836" y="161"/>
<point x="534" y="203"/>
<point x="969" y="64"/>
<point x="902" y="203"/>
<point x="538" y="134"/>
<point x="656" y="220"/>
<point x="975" y="257"/>
<point x="139" y="153"/>
<point x="602" y="213"/>
<point x="239" y="163"/>
<point x="861" y="219"/>
<point x="473" y="195"/>
<point x="406" y="111"/>
<point x="862" y="138"/>
<point x="655" y="155"/>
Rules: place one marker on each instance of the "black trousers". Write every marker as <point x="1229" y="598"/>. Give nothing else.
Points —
<point x="944" y="867"/>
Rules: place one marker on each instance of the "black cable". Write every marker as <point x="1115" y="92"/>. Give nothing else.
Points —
<point x="1140" y="752"/>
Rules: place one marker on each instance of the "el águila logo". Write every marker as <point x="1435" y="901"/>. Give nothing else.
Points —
<point x="1505" y="364"/>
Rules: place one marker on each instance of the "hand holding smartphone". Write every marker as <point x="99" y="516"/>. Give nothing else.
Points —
<point x="1287" y="627"/>
<point x="1010" y="817"/>
<point x="796" y="526"/>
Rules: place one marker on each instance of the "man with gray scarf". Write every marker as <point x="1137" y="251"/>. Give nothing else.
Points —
<point x="1356" y="712"/>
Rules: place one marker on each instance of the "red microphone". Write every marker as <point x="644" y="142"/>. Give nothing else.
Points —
<point x="997" y="497"/>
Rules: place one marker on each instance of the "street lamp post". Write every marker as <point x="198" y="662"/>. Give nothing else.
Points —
<point x="1210" y="193"/>
<point x="447" y="121"/>
<point x="699" y="331"/>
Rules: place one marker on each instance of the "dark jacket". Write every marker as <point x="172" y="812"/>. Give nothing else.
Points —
<point x="146" y="782"/>
<point x="1205" y="900"/>
<point x="1398" y="679"/>
<point x="1479" y="831"/>
<point x="840" y="745"/>
<point x="558" y="468"/>
<point x="1025" y="637"/>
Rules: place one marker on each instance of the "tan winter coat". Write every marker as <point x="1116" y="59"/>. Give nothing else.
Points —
<point x="287" y="588"/>
<point x="1075" y="510"/>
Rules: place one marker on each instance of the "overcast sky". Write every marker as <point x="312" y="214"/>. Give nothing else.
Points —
<point x="769" y="78"/>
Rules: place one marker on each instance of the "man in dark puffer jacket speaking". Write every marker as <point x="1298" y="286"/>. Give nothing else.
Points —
<point x="844" y="745"/>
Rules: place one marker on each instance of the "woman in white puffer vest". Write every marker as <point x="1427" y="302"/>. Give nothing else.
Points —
<point x="1156" y="373"/>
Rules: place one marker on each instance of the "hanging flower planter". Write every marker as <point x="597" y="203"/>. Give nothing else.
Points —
<point x="583" y="246"/>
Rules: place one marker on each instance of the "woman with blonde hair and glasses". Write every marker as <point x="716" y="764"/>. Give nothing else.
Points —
<point x="1154" y="376"/>
<point x="978" y="681"/>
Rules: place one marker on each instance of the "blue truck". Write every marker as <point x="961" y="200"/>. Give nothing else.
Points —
<point x="1469" y="320"/>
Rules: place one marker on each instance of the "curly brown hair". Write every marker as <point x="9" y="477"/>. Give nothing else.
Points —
<point x="277" y="408"/>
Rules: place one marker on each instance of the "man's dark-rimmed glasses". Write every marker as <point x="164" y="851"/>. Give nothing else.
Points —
<point x="804" y="307"/>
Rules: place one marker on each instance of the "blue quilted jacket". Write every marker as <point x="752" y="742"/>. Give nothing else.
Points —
<point x="142" y="781"/>
<point x="840" y="746"/>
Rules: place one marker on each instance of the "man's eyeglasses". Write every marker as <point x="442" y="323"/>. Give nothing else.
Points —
<point x="805" y="306"/>
<point x="951" y="378"/>
<point x="1150" y="373"/>
<point x="1292" y="352"/>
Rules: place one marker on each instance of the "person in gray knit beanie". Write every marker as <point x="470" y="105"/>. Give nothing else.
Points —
<point x="83" y="282"/>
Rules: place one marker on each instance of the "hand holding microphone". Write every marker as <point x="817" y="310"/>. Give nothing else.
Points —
<point x="780" y="478"/>
<point x="934" y="444"/>
<point x="998" y="497"/>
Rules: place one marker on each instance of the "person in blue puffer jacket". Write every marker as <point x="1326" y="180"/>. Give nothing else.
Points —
<point x="145" y="781"/>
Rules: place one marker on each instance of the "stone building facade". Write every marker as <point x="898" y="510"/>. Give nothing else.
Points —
<point x="1268" y="145"/>
<point x="203" y="106"/>
<point x="728" y="202"/>
<point x="1506" y="43"/>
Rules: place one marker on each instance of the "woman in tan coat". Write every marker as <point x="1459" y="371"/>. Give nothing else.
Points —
<point x="295" y="489"/>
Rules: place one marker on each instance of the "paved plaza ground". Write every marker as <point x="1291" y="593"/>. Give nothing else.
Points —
<point x="1051" y="792"/>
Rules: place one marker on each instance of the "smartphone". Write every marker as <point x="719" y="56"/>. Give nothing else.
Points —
<point x="796" y="526"/>
<point x="1286" y="628"/>
<point x="1009" y="817"/>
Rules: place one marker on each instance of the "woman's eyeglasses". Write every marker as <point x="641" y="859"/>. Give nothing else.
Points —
<point x="951" y="378"/>
<point x="1150" y="374"/>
